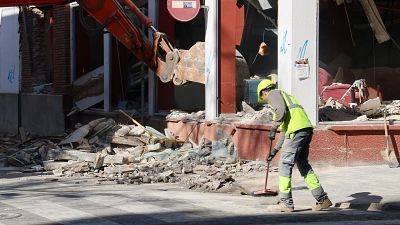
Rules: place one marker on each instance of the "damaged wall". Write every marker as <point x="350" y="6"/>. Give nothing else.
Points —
<point x="61" y="48"/>
<point x="42" y="114"/>
<point x="35" y="47"/>
<point x="338" y="145"/>
<point x="9" y="54"/>
<point x="8" y="113"/>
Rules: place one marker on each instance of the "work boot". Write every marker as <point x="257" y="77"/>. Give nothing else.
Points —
<point x="280" y="207"/>
<point x="323" y="204"/>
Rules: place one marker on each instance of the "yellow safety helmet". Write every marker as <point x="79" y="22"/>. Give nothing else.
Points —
<point x="262" y="85"/>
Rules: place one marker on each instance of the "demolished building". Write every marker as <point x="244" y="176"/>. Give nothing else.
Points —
<point x="321" y="67"/>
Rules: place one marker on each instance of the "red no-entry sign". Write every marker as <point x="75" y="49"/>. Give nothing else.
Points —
<point x="183" y="10"/>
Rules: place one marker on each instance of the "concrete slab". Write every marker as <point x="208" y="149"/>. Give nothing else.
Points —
<point x="8" y="113"/>
<point x="42" y="114"/>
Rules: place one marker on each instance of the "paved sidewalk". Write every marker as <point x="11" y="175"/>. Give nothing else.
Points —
<point x="364" y="187"/>
<point x="45" y="200"/>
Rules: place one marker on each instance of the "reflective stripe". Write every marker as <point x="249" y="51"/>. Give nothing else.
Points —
<point x="291" y="105"/>
<point x="319" y="194"/>
<point x="295" y="118"/>
<point x="312" y="181"/>
<point x="295" y="106"/>
<point x="285" y="184"/>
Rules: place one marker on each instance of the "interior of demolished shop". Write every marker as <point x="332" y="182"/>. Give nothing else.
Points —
<point x="130" y="77"/>
<point x="359" y="61"/>
<point x="130" y="84"/>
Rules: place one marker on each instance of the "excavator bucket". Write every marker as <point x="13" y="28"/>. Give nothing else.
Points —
<point x="191" y="65"/>
<point x="180" y="66"/>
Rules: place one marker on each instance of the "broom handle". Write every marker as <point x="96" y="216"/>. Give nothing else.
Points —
<point x="386" y="132"/>
<point x="266" y="176"/>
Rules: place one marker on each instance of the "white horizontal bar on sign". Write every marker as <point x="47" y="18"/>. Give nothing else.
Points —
<point x="183" y="4"/>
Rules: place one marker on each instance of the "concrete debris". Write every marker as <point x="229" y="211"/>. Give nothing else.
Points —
<point x="99" y="160"/>
<point x="184" y="116"/>
<point x="51" y="165"/>
<point x="248" y="115"/>
<point x="122" y="131"/>
<point x="94" y="123"/>
<point x="361" y="118"/>
<point x="77" y="136"/>
<point x="247" y="108"/>
<point x="127" y="154"/>
<point x="130" y="141"/>
<point x="393" y="108"/>
<point x="119" y="169"/>
<point x="136" y="131"/>
<point x="78" y="167"/>
<point x="370" y="107"/>
<point x="155" y="147"/>
<point x="63" y="155"/>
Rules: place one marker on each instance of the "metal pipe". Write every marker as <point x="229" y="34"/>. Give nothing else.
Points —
<point x="144" y="19"/>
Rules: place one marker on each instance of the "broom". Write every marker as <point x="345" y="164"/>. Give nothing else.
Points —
<point x="265" y="192"/>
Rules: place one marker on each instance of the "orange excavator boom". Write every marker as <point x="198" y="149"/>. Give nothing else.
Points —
<point x="160" y="55"/>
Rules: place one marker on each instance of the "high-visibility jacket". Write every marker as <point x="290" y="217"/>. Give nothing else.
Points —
<point x="295" y="118"/>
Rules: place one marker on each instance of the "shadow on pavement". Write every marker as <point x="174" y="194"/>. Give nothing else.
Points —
<point x="367" y="202"/>
<point x="202" y="217"/>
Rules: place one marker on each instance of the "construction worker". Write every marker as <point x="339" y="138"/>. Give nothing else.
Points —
<point x="296" y="132"/>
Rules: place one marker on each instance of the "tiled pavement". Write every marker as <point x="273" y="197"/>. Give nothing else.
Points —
<point x="38" y="200"/>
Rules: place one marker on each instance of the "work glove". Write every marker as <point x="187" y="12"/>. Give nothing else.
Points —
<point x="272" y="154"/>
<point x="272" y="133"/>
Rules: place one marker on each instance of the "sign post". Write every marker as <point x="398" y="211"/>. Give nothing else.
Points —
<point x="183" y="10"/>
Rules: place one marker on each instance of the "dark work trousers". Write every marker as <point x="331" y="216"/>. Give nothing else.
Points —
<point x="295" y="150"/>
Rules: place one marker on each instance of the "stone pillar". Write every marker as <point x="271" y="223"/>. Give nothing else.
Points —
<point x="230" y="29"/>
<point x="211" y="60"/>
<point x="297" y="40"/>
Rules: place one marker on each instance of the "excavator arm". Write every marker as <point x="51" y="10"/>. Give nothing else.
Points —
<point x="167" y="62"/>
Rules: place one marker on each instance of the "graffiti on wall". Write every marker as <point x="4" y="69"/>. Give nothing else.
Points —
<point x="303" y="49"/>
<point x="11" y="74"/>
<point x="283" y="48"/>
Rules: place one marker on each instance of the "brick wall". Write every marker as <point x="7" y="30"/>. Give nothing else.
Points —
<point x="61" y="48"/>
<point x="35" y="48"/>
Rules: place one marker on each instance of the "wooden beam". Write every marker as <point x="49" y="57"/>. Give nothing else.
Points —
<point x="375" y="20"/>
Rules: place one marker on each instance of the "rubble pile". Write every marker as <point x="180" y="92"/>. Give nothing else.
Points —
<point x="128" y="154"/>
<point x="335" y="111"/>
<point x="393" y="108"/>
<point x="32" y="152"/>
<point x="247" y="115"/>
<point x="370" y="109"/>
<point x="184" y="116"/>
